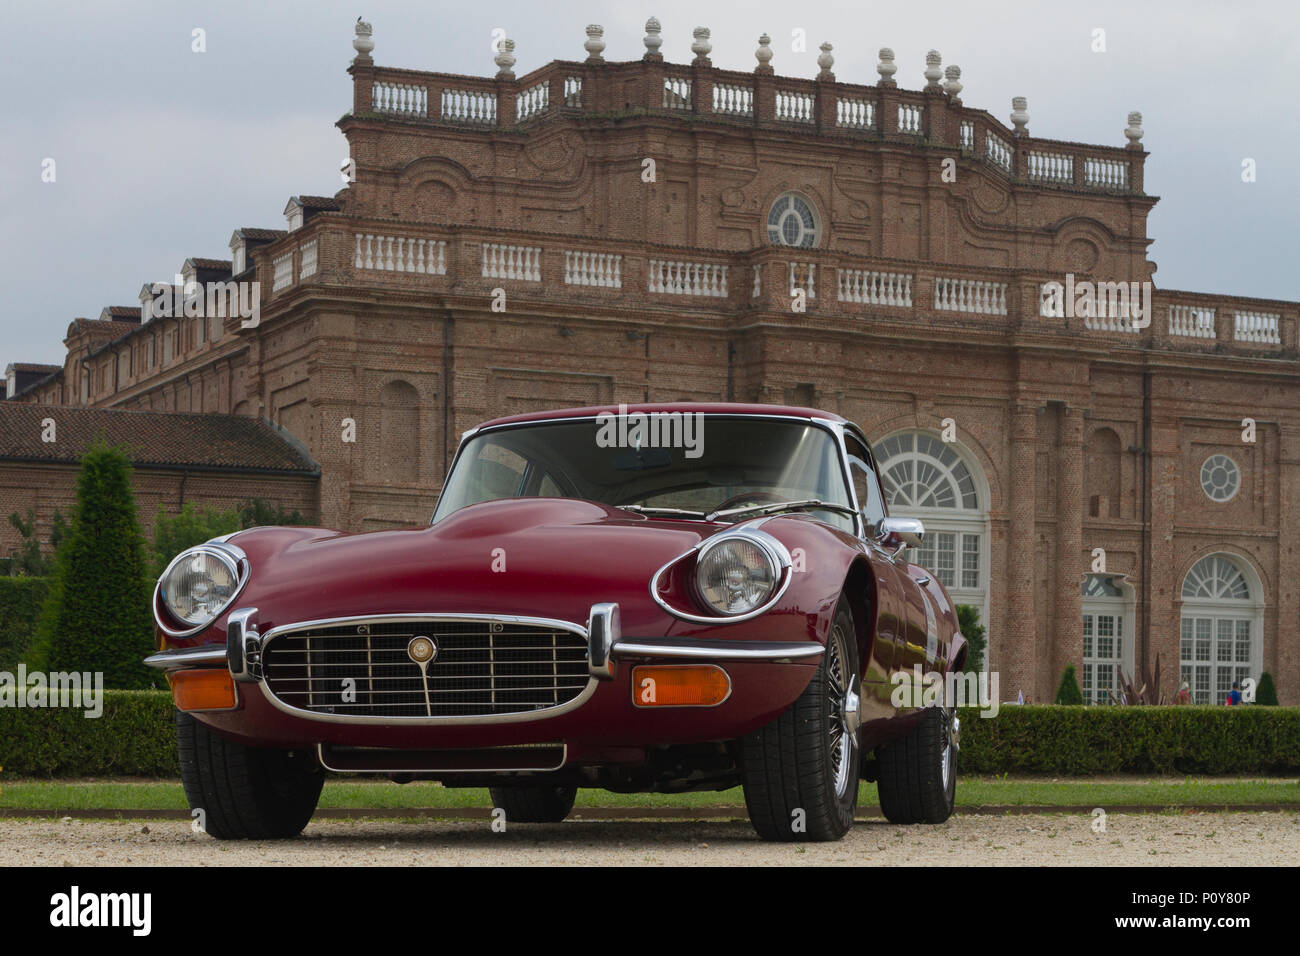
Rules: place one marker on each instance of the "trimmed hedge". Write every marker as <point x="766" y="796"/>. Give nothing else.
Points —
<point x="135" y="737"/>
<point x="1079" y="741"/>
<point x="20" y="606"/>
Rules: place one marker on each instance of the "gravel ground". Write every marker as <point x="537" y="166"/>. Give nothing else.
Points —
<point x="1181" y="839"/>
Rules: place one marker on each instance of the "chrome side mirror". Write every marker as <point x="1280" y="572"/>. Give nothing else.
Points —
<point x="900" y="532"/>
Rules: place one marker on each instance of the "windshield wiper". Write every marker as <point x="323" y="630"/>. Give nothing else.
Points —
<point x="644" y="510"/>
<point x="773" y="507"/>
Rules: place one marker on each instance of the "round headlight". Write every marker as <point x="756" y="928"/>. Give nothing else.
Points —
<point x="198" y="584"/>
<point x="735" y="575"/>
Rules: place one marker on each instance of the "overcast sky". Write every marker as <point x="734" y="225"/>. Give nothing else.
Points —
<point x="161" y="152"/>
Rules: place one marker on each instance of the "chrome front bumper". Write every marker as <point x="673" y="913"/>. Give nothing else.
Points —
<point x="605" y="644"/>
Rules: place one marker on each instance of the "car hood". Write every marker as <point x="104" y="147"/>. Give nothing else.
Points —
<point x="540" y="557"/>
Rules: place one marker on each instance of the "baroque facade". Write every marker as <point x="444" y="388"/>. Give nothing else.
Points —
<point x="1105" y="485"/>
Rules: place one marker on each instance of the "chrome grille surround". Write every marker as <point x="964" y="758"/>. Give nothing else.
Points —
<point x="489" y="668"/>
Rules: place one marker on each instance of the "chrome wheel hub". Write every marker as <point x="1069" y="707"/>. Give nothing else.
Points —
<point x="844" y="712"/>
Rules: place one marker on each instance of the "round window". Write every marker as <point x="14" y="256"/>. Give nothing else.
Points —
<point x="1220" y="478"/>
<point x="793" y="222"/>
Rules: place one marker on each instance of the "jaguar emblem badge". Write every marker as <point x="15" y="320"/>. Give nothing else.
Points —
<point x="422" y="649"/>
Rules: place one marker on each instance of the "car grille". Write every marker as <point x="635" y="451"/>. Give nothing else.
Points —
<point x="481" y="669"/>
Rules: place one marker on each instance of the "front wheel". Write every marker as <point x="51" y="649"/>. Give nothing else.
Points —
<point x="918" y="773"/>
<point x="245" y="793"/>
<point x="800" y="772"/>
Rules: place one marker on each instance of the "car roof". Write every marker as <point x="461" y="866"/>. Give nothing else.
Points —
<point x="705" y="408"/>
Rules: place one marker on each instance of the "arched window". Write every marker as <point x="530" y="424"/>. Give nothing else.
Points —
<point x="1107" y="638"/>
<point x="793" y="221"/>
<point x="399" y="432"/>
<point x="1222" y="629"/>
<point x="927" y="478"/>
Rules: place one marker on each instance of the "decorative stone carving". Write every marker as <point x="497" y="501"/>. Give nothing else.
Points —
<point x="1020" y="115"/>
<point x="933" y="69"/>
<point x="652" y="40"/>
<point x="701" y="47"/>
<point x="1134" y="130"/>
<point x="952" y="82"/>
<point x="825" y="60"/>
<point x="363" y="42"/>
<point x="505" y="60"/>
<point x="886" y="67"/>
<point x="764" y="52"/>
<point x="595" y="43"/>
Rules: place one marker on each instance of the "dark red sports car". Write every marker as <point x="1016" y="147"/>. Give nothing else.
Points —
<point x="651" y="598"/>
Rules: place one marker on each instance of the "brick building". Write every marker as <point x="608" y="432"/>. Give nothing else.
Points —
<point x="597" y="232"/>
<point x="214" y="460"/>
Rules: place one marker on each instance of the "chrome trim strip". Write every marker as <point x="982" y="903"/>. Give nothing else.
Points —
<point x="603" y="629"/>
<point x="685" y="649"/>
<point x="181" y="658"/>
<point x="564" y="757"/>
<point x="400" y="721"/>
<point x="770" y="545"/>
<point x="835" y="428"/>
<point x="221" y="549"/>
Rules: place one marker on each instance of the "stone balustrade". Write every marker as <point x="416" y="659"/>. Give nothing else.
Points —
<point x="760" y="99"/>
<point x="634" y="275"/>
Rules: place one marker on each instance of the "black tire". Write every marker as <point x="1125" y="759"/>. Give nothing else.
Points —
<point x="534" y="804"/>
<point x="794" y="764"/>
<point x="913" y="787"/>
<point x="245" y="793"/>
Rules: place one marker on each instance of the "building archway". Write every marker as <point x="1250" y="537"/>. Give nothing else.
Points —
<point x="1108" y="606"/>
<point x="1222" y="626"/>
<point x="942" y="484"/>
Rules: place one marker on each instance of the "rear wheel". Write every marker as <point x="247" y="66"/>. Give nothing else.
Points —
<point x="534" y="804"/>
<point x="918" y="773"/>
<point x="800" y="772"/>
<point x="245" y="793"/>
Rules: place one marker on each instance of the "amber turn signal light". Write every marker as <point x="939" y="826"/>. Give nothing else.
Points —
<point x="206" y="689"/>
<point x="680" y="685"/>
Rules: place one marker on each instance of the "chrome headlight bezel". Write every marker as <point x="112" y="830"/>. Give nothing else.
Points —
<point x="773" y="550"/>
<point x="235" y="560"/>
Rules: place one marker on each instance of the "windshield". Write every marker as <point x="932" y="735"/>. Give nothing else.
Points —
<point x="713" y="463"/>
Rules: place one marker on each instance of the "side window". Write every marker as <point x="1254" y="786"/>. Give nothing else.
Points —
<point x="865" y="484"/>
<point x="497" y="473"/>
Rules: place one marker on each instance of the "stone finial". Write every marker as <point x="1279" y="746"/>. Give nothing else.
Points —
<point x="701" y="47"/>
<point x="933" y="69"/>
<point x="764" y="54"/>
<point x="1020" y="115"/>
<point x="886" y="67"/>
<point x="1134" y="130"/>
<point x="825" y="60"/>
<point x="652" y="40"/>
<point x="595" y="43"/>
<point x="505" y="60"/>
<point x="363" y="42"/>
<point x="952" y="82"/>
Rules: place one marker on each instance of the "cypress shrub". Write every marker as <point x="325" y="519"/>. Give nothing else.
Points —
<point x="1266" y="693"/>
<point x="1068" y="692"/>
<point x="97" y="615"/>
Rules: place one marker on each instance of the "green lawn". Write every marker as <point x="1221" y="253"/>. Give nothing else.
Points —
<point x="971" y="792"/>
